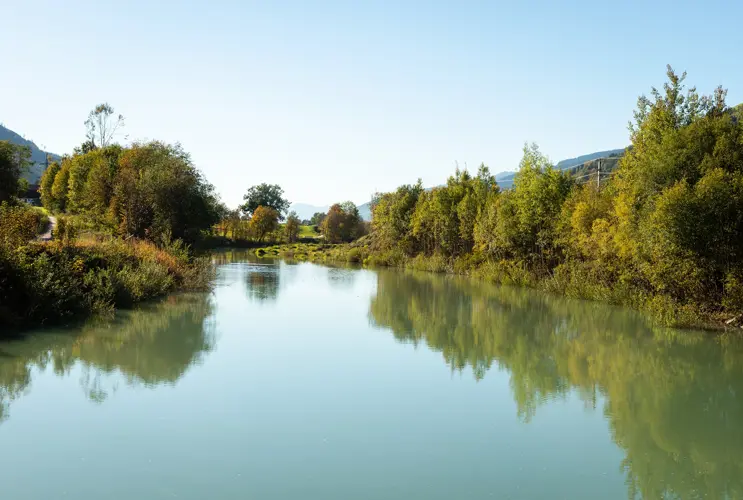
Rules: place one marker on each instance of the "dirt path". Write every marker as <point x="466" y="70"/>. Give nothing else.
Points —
<point x="47" y="236"/>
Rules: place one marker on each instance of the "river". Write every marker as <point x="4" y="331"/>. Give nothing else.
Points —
<point x="299" y="381"/>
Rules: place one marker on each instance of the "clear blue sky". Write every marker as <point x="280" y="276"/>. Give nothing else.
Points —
<point x="336" y="99"/>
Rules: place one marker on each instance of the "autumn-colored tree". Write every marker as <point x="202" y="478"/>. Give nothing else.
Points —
<point x="342" y="223"/>
<point x="265" y="220"/>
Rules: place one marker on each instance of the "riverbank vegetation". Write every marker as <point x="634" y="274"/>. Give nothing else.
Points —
<point x="664" y="232"/>
<point x="126" y="218"/>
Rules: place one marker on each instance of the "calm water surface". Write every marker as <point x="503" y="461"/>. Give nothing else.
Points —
<point x="309" y="382"/>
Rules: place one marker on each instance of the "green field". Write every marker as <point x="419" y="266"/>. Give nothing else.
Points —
<point x="308" y="232"/>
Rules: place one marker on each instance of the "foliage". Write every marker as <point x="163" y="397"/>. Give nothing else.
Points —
<point x="46" y="186"/>
<point x="13" y="162"/>
<point x="264" y="220"/>
<point x="665" y="232"/>
<point x="317" y="218"/>
<point x="291" y="228"/>
<point x="444" y="219"/>
<point x="19" y="224"/>
<point x="148" y="190"/>
<point x="392" y="213"/>
<point x="43" y="283"/>
<point x="265" y="195"/>
<point x="342" y="223"/>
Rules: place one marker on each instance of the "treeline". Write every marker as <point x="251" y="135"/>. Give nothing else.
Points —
<point x="665" y="231"/>
<point x="261" y="215"/>
<point x="147" y="190"/>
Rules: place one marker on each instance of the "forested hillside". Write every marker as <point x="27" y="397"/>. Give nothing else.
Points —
<point x="37" y="159"/>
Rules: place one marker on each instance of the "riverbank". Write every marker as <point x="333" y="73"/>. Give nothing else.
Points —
<point x="45" y="283"/>
<point x="569" y="280"/>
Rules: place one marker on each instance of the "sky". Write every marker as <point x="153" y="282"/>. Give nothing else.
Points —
<point x="335" y="100"/>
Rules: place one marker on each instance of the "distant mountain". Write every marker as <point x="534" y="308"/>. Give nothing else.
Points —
<point x="38" y="157"/>
<point x="580" y="165"/>
<point x="365" y="211"/>
<point x="505" y="179"/>
<point x="572" y="162"/>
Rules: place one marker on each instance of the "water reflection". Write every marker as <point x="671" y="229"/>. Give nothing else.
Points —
<point x="342" y="277"/>
<point x="262" y="282"/>
<point x="149" y="346"/>
<point x="672" y="400"/>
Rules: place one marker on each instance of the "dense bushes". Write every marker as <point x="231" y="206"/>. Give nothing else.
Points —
<point x="45" y="283"/>
<point x="20" y="223"/>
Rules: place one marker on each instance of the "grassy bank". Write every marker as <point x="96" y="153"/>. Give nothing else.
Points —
<point x="46" y="283"/>
<point x="570" y="279"/>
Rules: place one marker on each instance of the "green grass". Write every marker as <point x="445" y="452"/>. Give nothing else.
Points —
<point x="308" y="232"/>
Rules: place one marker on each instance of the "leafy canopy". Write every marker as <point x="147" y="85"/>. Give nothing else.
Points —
<point x="265" y="195"/>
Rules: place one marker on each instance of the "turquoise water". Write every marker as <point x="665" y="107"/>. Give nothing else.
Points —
<point x="298" y="381"/>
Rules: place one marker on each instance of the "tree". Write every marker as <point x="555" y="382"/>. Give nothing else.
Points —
<point x="317" y="218"/>
<point x="13" y="162"/>
<point x="231" y="224"/>
<point x="265" y="195"/>
<point x="292" y="227"/>
<point x="342" y="223"/>
<point x="101" y="127"/>
<point x="392" y="213"/>
<point x="264" y="220"/>
<point x="46" y="185"/>
<point x="158" y="194"/>
<point x="527" y="223"/>
<point x="60" y="185"/>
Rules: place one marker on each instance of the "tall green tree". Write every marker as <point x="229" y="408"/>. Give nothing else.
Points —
<point x="60" y="186"/>
<point x="291" y="227"/>
<point x="46" y="184"/>
<point x="265" y="195"/>
<point x="13" y="162"/>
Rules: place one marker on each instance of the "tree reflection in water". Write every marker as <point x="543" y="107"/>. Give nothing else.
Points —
<point x="149" y="346"/>
<point x="262" y="282"/>
<point x="672" y="399"/>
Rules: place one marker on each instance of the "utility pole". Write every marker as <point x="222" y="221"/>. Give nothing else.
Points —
<point x="598" y="175"/>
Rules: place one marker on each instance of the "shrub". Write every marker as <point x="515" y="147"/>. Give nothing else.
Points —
<point x="45" y="283"/>
<point x="20" y="224"/>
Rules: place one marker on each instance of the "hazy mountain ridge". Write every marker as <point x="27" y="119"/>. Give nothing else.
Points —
<point x="38" y="157"/>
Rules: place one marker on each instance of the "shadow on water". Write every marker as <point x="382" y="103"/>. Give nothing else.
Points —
<point x="148" y="346"/>
<point x="672" y="399"/>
